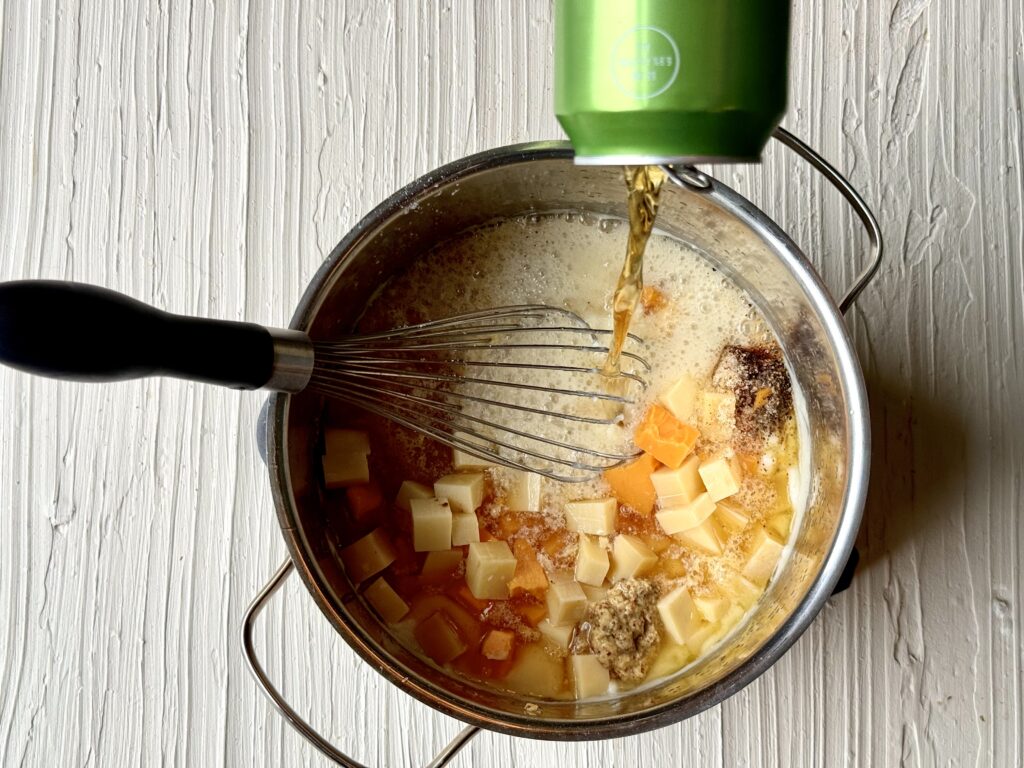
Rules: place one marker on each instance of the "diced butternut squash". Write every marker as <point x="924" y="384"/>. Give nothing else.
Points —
<point x="441" y="563"/>
<point x="706" y="537"/>
<point x="591" y="561"/>
<point x="529" y="611"/>
<point x="721" y="477"/>
<point x="439" y="638"/>
<point x="369" y="555"/>
<point x="364" y="501"/>
<point x="665" y="437"/>
<point x="678" y="519"/>
<point x="431" y="524"/>
<point x="464" y="491"/>
<point x="523" y="491"/>
<point x="558" y="635"/>
<point x="465" y="529"/>
<point x="465" y="596"/>
<point x="386" y="601"/>
<point x="678" y="487"/>
<point x="489" y="569"/>
<point x="411" y="490"/>
<point x="765" y="551"/>
<point x="589" y="676"/>
<point x="679" y="614"/>
<point x="631" y="483"/>
<point x="529" y="576"/>
<point x="631" y="558"/>
<point x="566" y="603"/>
<point x="596" y="516"/>
<point x="681" y="398"/>
<point x="497" y="645"/>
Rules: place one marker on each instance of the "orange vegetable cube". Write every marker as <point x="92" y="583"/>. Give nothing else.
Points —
<point x="529" y="576"/>
<point x="497" y="644"/>
<point x="631" y="483"/>
<point x="364" y="500"/>
<point x="466" y="597"/>
<point x="665" y="437"/>
<point x="531" y="612"/>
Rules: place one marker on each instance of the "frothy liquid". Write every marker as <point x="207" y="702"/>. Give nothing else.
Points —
<point x="644" y="192"/>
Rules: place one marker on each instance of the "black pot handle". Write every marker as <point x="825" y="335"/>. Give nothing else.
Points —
<point x="846" y="577"/>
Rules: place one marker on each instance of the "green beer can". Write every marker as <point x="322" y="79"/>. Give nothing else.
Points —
<point x="670" y="81"/>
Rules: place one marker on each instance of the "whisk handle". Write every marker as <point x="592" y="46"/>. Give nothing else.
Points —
<point x="82" y="332"/>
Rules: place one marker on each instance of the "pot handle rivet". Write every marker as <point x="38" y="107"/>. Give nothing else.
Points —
<point x="294" y="718"/>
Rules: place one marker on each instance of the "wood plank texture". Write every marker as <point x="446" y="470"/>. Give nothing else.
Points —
<point x="206" y="157"/>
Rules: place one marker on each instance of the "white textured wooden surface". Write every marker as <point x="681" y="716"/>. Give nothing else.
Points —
<point x="207" y="157"/>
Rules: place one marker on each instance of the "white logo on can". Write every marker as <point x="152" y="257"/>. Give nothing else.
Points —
<point x="644" y="62"/>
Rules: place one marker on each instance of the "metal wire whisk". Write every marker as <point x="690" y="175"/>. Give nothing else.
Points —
<point x="517" y="386"/>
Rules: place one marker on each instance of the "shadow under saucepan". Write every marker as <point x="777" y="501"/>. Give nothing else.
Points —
<point x="919" y="449"/>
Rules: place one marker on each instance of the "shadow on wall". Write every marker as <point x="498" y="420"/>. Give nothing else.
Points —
<point x="919" y="450"/>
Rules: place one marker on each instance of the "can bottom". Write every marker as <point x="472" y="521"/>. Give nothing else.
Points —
<point x="660" y="137"/>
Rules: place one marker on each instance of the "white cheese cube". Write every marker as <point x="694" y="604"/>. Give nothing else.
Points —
<point x="681" y="398"/>
<point x="338" y="441"/>
<point x="439" y="638"/>
<point x="431" y="524"/>
<point x="742" y="591"/>
<point x="344" y="469"/>
<point x="368" y="555"/>
<point x="780" y="524"/>
<point x="489" y="568"/>
<point x="698" y="640"/>
<point x="707" y="536"/>
<point x="591" y="562"/>
<point x="558" y="636"/>
<point x="679" y="615"/>
<point x="721" y="477"/>
<point x="783" y="482"/>
<point x="462" y="459"/>
<point x="465" y="492"/>
<point x="441" y="562"/>
<point x="566" y="603"/>
<point x="716" y="415"/>
<point x="630" y="557"/>
<point x="731" y="515"/>
<point x="677" y="487"/>
<point x="765" y="551"/>
<point x="594" y="594"/>
<point x="589" y="676"/>
<point x="712" y="608"/>
<point x="386" y="601"/>
<point x="596" y="516"/>
<point x="678" y="519"/>
<point x="523" y="491"/>
<point x="411" y="490"/>
<point x="465" y="530"/>
<point x="732" y="617"/>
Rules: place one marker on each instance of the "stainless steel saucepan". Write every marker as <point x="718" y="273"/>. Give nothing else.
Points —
<point x="739" y="240"/>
